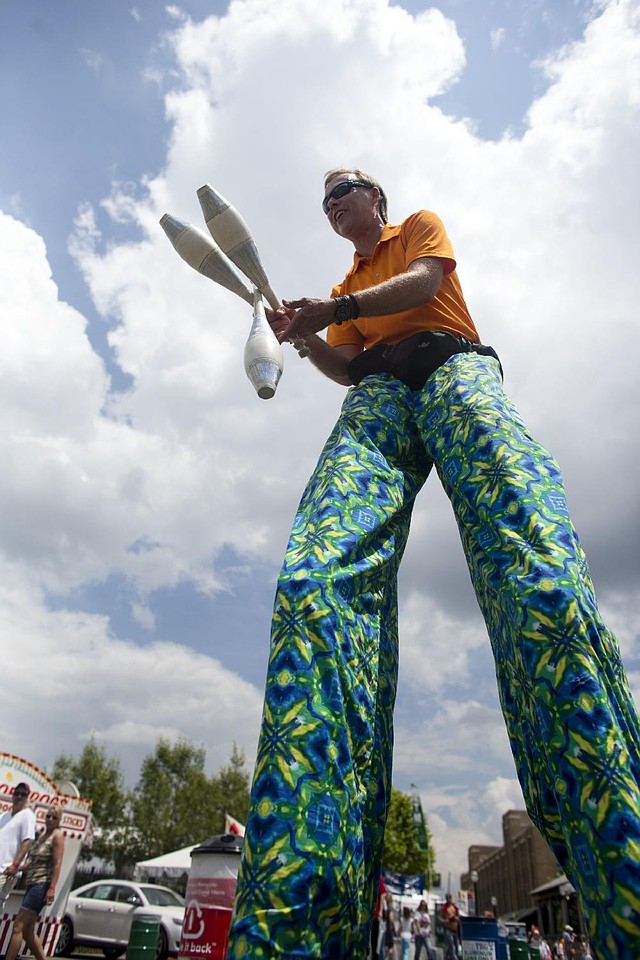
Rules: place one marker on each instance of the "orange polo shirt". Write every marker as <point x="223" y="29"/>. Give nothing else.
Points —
<point x="420" y="235"/>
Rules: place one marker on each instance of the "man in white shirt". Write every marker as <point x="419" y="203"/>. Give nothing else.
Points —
<point x="17" y="830"/>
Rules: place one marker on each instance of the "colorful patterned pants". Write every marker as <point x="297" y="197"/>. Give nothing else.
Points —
<point x="309" y="873"/>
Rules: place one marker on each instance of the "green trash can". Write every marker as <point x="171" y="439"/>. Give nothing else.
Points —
<point x="143" y="937"/>
<point x="519" y="950"/>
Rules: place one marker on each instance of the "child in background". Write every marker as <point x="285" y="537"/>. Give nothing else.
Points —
<point x="405" y="932"/>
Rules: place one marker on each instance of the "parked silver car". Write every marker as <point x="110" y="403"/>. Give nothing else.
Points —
<point x="100" y="914"/>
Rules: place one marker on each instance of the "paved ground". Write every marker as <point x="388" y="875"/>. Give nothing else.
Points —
<point x="88" y="954"/>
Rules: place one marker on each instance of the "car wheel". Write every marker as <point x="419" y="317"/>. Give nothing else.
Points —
<point x="162" y="946"/>
<point x="112" y="953"/>
<point x="64" y="946"/>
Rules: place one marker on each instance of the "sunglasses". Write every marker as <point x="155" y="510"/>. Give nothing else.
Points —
<point x="341" y="190"/>
<point x="51" y="816"/>
<point x="20" y="796"/>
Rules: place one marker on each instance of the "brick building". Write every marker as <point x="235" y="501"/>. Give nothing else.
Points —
<point x="508" y="874"/>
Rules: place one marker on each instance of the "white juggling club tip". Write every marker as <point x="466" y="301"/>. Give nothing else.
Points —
<point x="197" y="249"/>
<point x="263" y="360"/>
<point x="231" y="232"/>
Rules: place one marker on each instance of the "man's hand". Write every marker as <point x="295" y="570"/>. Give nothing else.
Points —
<point x="310" y="316"/>
<point x="279" y="321"/>
<point x="285" y="322"/>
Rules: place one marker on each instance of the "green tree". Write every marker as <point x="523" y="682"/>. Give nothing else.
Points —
<point x="176" y="804"/>
<point x="168" y="799"/>
<point x="173" y="805"/>
<point x="99" y="778"/>
<point x="232" y="783"/>
<point x="403" y="850"/>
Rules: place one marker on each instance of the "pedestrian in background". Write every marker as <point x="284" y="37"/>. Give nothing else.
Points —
<point x="450" y="920"/>
<point x="41" y="873"/>
<point x="422" y="931"/>
<point x="568" y="941"/>
<point x="377" y="920"/>
<point x="389" y="941"/>
<point x="17" y="831"/>
<point x="584" y="951"/>
<point x="404" y="930"/>
<point x="559" y="952"/>
<point x="545" y="950"/>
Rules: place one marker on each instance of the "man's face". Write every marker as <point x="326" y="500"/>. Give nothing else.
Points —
<point x="19" y="799"/>
<point x="351" y="213"/>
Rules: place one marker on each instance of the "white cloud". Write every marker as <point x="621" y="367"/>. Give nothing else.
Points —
<point x="93" y="59"/>
<point x="98" y="482"/>
<point x="125" y="695"/>
<point x="174" y="12"/>
<point x="143" y="615"/>
<point x="503" y="794"/>
<point x="459" y="818"/>
<point x="497" y="36"/>
<point x="44" y="344"/>
<point x="435" y="646"/>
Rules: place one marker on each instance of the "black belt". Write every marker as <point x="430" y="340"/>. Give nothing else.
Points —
<point x="414" y="360"/>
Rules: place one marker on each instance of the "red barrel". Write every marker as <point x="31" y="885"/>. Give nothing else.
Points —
<point x="209" y="898"/>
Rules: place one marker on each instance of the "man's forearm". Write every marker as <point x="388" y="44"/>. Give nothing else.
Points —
<point x="417" y="285"/>
<point x="328" y="360"/>
<point x="19" y="857"/>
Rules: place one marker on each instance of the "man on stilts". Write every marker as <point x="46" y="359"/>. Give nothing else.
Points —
<point x="425" y="393"/>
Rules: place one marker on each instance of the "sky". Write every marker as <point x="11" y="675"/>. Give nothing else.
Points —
<point x="146" y="493"/>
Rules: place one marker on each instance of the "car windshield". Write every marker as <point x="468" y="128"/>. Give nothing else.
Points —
<point x="161" y="897"/>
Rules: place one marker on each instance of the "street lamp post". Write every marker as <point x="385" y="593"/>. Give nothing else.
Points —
<point x="473" y="876"/>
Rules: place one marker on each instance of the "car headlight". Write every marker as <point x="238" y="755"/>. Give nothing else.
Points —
<point x="178" y="922"/>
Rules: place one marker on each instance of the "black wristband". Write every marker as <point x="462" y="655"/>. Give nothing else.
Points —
<point x="355" y="307"/>
<point x="347" y="308"/>
<point x="342" y="310"/>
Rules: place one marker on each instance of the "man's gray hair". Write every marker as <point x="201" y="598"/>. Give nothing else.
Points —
<point x="361" y="175"/>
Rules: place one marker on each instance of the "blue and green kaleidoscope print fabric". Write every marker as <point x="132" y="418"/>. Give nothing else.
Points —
<point x="312" y="851"/>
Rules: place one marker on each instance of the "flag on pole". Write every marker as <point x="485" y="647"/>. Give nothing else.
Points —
<point x="419" y="822"/>
<point x="231" y="825"/>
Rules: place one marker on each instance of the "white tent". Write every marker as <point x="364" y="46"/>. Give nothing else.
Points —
<point x="172" y="864"/>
